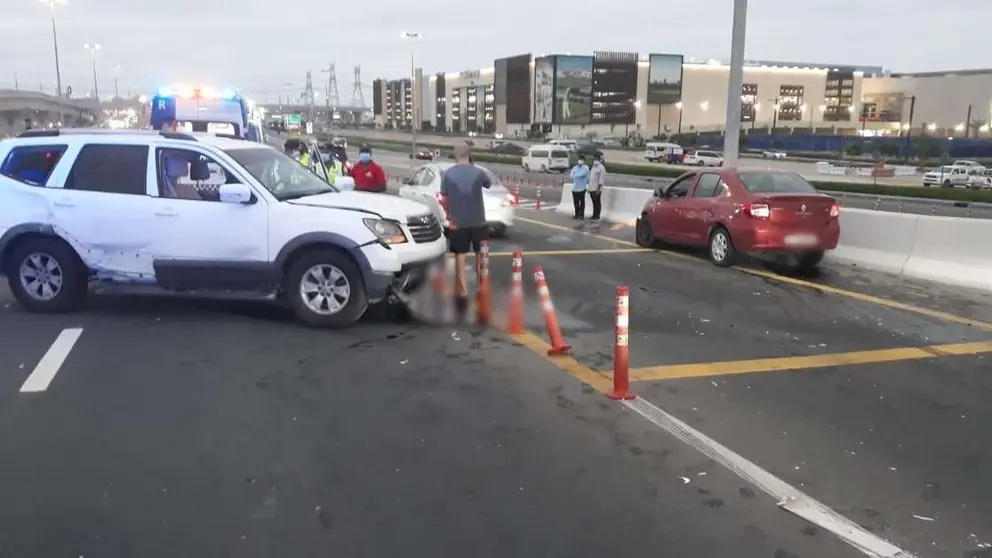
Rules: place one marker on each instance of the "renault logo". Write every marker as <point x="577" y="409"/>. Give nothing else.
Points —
<point x="802" y="208"/>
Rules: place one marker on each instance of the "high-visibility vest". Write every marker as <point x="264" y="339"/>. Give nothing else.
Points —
<point x="305" y="160"/>
<point x="333" y="170"/>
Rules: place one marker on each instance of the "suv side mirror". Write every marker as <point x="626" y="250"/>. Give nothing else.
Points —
<point x="235" y="193"/>
<point x="660" y="192"/>
<point x="407" y="181"/>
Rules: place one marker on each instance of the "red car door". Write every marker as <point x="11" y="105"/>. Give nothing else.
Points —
<point x="667" y="216"/>
<point x="699" y="209"/>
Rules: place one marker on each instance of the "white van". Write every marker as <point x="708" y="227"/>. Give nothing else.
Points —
<point x="659" y="152"/>
<point x="546" y="158"/>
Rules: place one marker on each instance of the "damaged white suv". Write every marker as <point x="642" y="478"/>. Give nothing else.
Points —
<point x="200" y="215"/>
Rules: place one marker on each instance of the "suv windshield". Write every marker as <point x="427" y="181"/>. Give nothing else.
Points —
<point x="776" y="183"/>
<point x="285" y="177"/>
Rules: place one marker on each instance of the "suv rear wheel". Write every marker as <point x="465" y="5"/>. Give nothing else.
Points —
<point x="325" y="289"/>
<point x="46" y="276"/>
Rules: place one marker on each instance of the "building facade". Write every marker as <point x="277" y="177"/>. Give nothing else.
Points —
<point x="615" y="94"/>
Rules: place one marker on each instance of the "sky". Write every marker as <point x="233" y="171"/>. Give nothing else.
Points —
<point x="266" y="51"/>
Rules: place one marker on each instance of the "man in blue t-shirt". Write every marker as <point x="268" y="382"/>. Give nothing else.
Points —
<point x="461" y="194"/>
<point x="580" y="183"/>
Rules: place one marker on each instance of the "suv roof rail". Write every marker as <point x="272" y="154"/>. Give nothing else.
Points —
<point x="54" y="133"/>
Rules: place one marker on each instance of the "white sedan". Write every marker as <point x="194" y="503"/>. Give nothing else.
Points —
<point x="773" y="154"/>
<point x="424" y="186"/>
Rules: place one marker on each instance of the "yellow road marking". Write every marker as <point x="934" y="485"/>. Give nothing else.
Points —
<point x="595" y="379"/>
<point x="706" y="369"/>
<point x="947" y="317"/>
<point x="936" y="314"/>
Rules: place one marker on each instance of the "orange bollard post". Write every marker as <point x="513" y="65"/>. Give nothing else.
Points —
<point x="516" y="311"/>
<point x="621" y="349"/>
<point x="558" y="346"/>
<point x="483" y="290"/>
<point x="538" y="205"/>
<point x="516" y="196"/>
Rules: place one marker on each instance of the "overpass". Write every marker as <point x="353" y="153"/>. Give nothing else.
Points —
<point x="349" y="115"/>
<point x="17" y="106"/>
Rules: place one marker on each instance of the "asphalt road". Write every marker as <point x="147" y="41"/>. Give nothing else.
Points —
<point x="196" y="428"/>
<point x="848" y="409"/>
<point x="400" y="165"/>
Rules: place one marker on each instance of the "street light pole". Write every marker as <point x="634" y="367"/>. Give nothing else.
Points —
<point x="55" y="44"/>
<point x="732" y="136"/>
<point x="94" y="48"/>
<point x="411" y="36"/>
<point x="117" y="91"/>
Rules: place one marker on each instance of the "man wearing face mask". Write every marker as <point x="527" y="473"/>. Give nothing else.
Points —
<point x="368" y="175"/>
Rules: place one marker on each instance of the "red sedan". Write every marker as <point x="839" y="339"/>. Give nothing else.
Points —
<point x="735" y="211"/>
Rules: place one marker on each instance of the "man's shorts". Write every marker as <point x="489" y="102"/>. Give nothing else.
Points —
<point x="465" y="240"/>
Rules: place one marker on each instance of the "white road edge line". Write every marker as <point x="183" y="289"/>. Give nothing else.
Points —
<point x="49" y="365"/>
<point x="788" y="497"/>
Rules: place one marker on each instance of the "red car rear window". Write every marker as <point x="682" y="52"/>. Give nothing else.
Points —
<point x="776" y="183"/>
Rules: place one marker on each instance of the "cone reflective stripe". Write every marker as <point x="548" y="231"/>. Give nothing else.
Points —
<point x="538" y="206"/>
<point x="558" y="346"/>
<point x="483" y="292"/>
<point x="516" y="314"/>
<point x="621" y="349"/>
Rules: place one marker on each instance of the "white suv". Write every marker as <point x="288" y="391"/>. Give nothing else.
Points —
<point x="704" y="159"/>
<point x="200" y="215"/>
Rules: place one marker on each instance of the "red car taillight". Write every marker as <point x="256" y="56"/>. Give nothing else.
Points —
<point x="758" y="210"/>
<point x="834" y="211"/>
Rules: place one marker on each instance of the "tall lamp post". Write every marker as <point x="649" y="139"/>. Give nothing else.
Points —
<point x="731" y="139"/>
<point x="411" y="36"/>
<point x="117" y="91"/>
<point x="55" y="45"/>
<point x="679" y="106"/>
<point x="94" y="48"/>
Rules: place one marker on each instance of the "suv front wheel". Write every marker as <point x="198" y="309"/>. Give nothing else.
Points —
<point x="45" y="275"/>
<point x="325" y="289"/>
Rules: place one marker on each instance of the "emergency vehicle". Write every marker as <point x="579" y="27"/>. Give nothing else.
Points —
<point x="206" y="109"/>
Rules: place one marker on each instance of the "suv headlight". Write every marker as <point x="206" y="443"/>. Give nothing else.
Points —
<point x="385" y="230"/>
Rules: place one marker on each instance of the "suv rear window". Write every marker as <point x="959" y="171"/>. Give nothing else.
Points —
<point x="32" y="164"/>
<point x="559" y="154"/>
<point x="776" y="183"/>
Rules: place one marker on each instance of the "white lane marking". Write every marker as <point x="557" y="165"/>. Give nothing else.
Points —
<point x="788" y="497"/>
<point x="49" y="365"/>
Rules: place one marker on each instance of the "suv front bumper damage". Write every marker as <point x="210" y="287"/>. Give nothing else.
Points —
<point x="409" y="279"/>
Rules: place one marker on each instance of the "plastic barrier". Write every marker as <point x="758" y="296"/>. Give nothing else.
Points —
<point x="950" y="250"/>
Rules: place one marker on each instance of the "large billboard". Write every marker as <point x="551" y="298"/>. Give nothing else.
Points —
<point x="665" y="79"/>
<point x="573" y="90"/>
<point x="499" y="81"/>
<point x="544" y="90"/>
<point x="518" y="94"/>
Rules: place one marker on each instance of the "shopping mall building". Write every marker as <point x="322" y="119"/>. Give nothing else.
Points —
<point x="613" y="94"/>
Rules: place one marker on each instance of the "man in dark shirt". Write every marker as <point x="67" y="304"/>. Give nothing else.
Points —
<point x="461" y="194"/>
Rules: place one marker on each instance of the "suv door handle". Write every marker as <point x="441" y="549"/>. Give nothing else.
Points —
<point x="65" y="202"/>
<point x="166" y="212"/>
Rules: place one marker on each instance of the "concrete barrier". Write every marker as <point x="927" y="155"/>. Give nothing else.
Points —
<point x="876" y="239"/>
<point x="952" y="250"/>
<point x="949" y="250"/>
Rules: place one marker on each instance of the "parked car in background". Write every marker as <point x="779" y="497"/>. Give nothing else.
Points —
<point x="947" y="176"/>
<point x="508" y="148"/>
<point x="589" y="151"/>
<point x="703" y="159"/>
<point x="773" y="154"/>
<point x="980" y="179"/>
<point x="656" y="152"/>
<point x="733" y="212"/>
<point x="424" y="186"/>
